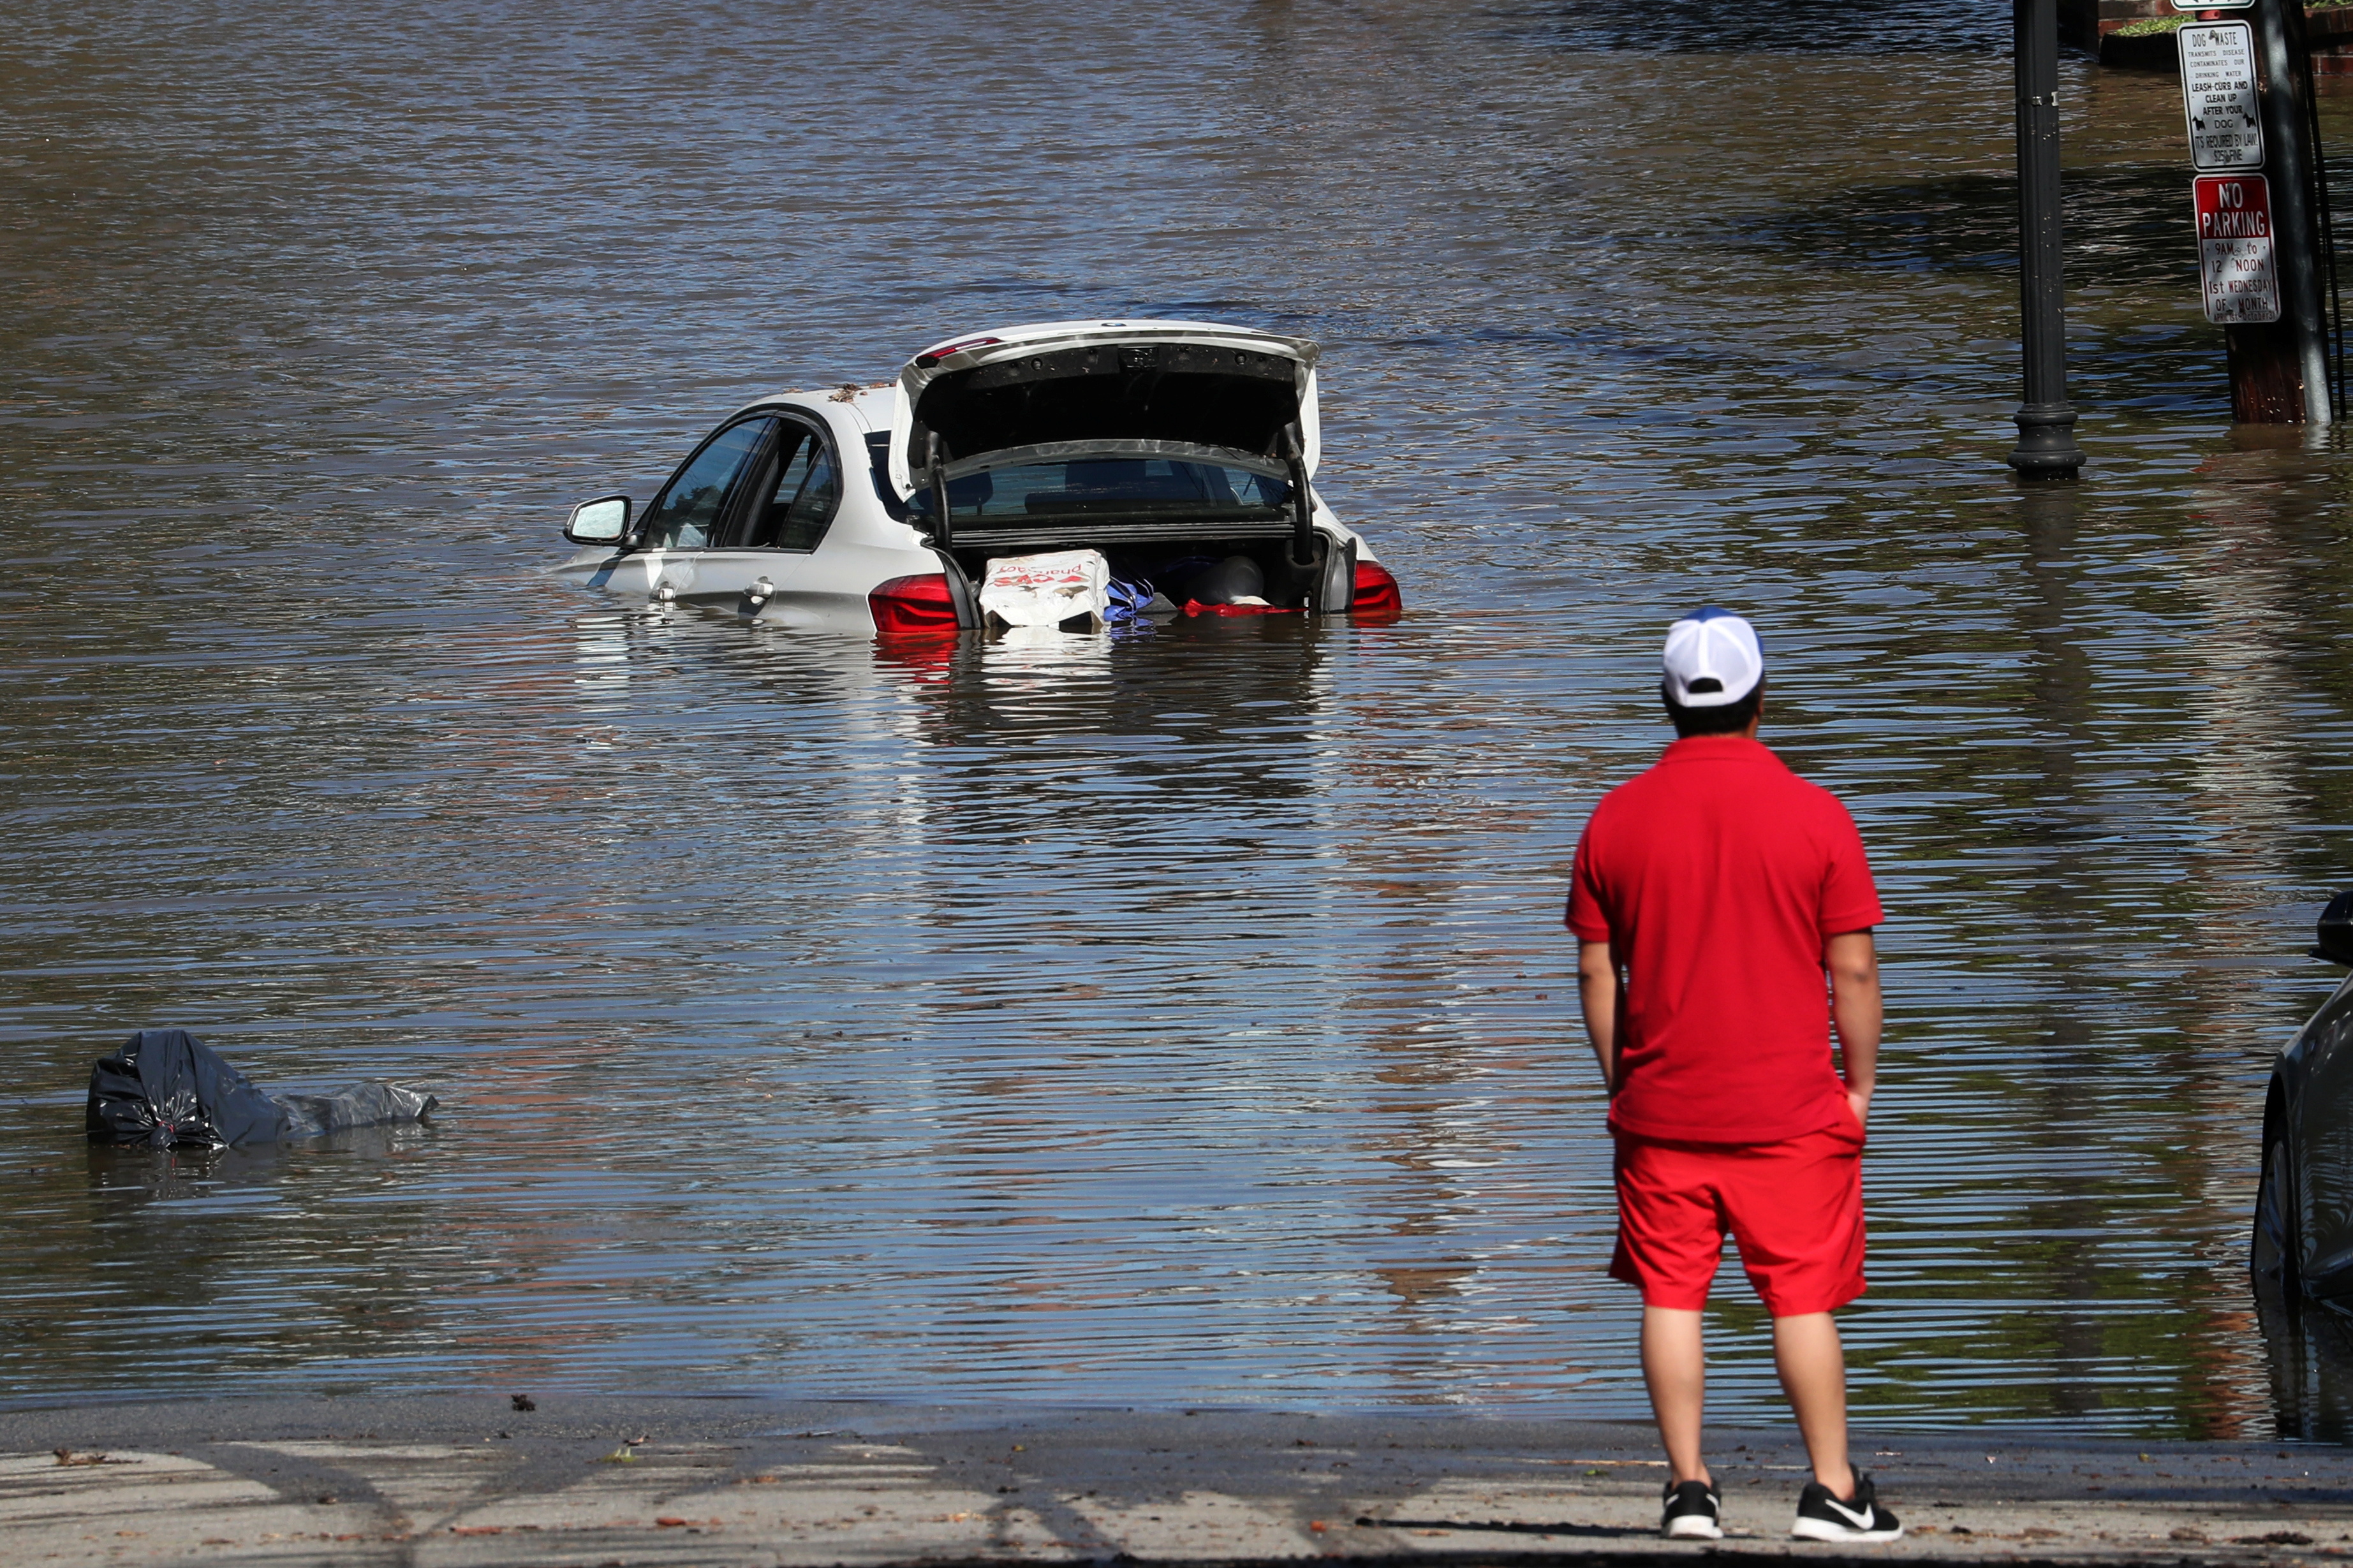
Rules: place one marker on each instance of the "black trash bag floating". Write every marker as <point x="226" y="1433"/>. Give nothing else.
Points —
<point x="374" y="1103"/>
<point x="166" y="1090"/>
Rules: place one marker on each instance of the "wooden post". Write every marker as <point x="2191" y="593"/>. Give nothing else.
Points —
<point x="2279" y="370"/>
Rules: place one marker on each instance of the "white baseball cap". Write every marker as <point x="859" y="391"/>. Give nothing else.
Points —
<point x="1713" y="658"/>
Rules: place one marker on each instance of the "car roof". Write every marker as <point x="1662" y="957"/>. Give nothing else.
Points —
<point x="869" y="407"/>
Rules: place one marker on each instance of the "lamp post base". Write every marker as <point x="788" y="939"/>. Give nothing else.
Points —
<point x="2046" y="442"/>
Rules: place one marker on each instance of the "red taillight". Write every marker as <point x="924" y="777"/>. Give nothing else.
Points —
<point x="1376" y="597"/>
<point x="917" y="607"/>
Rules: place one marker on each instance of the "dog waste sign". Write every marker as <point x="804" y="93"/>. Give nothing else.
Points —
<point x="2235" y="263"/>
<point x="2218" y="94"/>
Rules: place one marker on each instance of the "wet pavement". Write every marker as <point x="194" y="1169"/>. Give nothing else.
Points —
<point x="598" y="1481"/>
<point x="1159" y="1020"/>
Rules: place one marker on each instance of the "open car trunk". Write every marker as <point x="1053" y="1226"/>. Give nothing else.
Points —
<point x="1157" y="443"/>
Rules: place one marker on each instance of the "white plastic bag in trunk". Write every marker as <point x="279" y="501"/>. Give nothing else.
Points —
<point x="1047" y="590"/>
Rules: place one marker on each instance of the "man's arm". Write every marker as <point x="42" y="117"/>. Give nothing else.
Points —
<point x="1854" y="1011"/>
<point x="1604" y="1003"/>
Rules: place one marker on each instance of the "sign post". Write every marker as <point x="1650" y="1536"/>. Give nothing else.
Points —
<point x="2281" y="54"/>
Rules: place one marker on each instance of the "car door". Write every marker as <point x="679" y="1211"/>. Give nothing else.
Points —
<point x="690" y="516"/>
<point x="763" y="543"/>
<point x="2322" y="1116"/>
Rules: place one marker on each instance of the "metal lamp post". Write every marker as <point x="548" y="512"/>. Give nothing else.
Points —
<point x="2046" y="421"/>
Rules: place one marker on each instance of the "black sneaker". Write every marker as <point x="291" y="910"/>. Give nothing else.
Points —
<point x="1690" y="1512"/>
<point x="1822" y="1517"/>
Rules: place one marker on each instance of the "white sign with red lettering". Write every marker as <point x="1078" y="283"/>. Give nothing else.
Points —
<point x="2217" y="95"/>
<point x="2235" y="262"/>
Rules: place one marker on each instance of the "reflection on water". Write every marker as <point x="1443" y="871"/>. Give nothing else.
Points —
<point x="1172" y="1017"/>
<point x="2310" y="1348"/>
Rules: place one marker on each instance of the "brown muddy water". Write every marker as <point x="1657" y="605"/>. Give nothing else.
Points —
<point x="1179" y="1018"/>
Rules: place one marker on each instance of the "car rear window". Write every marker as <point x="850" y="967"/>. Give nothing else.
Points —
<point x="1112" y="483"/>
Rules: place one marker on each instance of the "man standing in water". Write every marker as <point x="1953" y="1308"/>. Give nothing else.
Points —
<point x="1711" y="895"/>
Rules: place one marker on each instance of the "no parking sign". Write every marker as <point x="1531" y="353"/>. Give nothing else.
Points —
<point x="2236" y="265"/>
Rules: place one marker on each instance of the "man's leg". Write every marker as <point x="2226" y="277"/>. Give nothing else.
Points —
<point x="1807" y="1354"/>
<point x="1674" y="1368"/>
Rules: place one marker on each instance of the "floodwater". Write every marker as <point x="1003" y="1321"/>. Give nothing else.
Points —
<point x="1175" y="1019"/>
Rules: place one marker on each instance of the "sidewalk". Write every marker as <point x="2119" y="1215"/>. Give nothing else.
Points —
<point x="463" y="1480"/>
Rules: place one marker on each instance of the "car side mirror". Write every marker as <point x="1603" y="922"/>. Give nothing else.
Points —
<point x="2333" y="937"/>
<point x="605" y="520"/>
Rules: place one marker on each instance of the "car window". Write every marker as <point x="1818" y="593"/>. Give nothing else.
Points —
<point x="796" y="508"/>
<point x="1105" y="481"/>
<point x="690" y="509"/>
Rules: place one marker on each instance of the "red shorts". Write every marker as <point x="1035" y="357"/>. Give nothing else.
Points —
<point x="1795" y="1208"/>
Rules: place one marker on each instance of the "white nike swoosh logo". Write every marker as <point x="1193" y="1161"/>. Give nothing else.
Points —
<point x="1859" y="1521"/>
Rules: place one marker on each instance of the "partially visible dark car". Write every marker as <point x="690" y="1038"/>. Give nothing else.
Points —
<point x="2302" y="1245"/>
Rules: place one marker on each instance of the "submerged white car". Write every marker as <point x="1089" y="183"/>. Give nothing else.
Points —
<point x="1184" y="452"/>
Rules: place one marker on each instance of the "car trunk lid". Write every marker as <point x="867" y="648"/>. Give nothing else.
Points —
<point x="1196" y="384"/>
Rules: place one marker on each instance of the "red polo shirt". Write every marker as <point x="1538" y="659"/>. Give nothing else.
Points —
<point x="1718" y="874"/>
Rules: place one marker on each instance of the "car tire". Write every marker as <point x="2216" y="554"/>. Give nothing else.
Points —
<point x="2270" y="1252"/>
